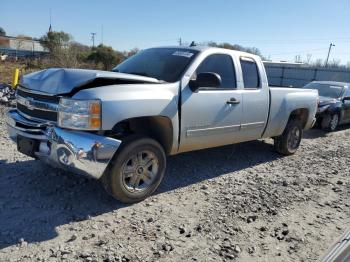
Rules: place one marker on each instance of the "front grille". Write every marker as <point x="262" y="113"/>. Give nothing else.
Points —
<point x="38" y="97"/>
<point x="35" y="105"/>
<point x="40" y="114"/>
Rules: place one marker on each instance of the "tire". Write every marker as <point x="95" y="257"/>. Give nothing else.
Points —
<point x="289" y="142"/>
<point x="136" y="171"/>
<point x="330" y="122"/>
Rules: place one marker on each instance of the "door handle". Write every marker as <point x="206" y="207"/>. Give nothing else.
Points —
<point x="233" y="101"/>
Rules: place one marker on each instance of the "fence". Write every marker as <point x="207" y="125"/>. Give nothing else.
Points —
<point x="282" y="75"/>
<point x="21" y="53"/>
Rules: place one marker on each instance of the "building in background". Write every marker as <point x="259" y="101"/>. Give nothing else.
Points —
<point x="21" y="47"/>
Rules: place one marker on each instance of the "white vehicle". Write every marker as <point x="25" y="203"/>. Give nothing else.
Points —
<point x="120" y="126"/>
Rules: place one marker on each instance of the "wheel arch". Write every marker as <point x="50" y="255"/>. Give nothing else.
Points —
<point x="301" y="114"/>
<point x="159" y="128"/>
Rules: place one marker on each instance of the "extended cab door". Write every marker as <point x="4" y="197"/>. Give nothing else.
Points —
<point x="255" y="97"/>
<point x="208" y="116"/>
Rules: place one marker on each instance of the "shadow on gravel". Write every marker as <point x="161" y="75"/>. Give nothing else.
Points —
<point x="318" y="133"/>
<point x="193" y="167"/>
<point x="35" y="199"/>
<point x="314" y="133"/>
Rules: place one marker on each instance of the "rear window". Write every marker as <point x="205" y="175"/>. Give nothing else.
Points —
<point x="250" y="73"/>
<point x="326" y="90"/>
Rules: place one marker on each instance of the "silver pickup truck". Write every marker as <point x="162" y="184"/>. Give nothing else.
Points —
<point x="119" y="126"/>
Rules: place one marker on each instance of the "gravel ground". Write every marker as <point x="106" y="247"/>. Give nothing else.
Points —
<point x="242" y="202"/>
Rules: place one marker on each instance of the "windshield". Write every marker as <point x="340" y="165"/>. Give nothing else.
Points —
<point x="166" y="64"/>
<point x="326" y="90"/>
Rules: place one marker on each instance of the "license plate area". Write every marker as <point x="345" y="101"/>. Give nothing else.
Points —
<point x="27" y="146"/>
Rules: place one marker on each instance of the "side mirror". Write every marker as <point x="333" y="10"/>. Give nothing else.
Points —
<point x="207" y="79"/>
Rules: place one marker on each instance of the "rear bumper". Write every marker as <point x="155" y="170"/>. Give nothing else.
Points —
<point x="78" y="152"/>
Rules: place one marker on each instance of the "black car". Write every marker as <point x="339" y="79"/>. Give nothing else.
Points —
<point x="334" y="104"/>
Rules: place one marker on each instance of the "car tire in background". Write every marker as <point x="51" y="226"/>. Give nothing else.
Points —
<point x="330" y="122"/>
<point x="136" y="171"/>
<point x="288" y="143"/>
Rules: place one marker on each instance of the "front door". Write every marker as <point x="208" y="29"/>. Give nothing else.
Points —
<point x="212" y="116"/>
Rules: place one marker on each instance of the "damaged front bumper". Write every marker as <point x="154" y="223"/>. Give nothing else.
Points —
<point x="75" y="151"/>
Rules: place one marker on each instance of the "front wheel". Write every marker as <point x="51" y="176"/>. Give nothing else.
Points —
<point x="330" y="122"/>
<point x="137" y="170"/>
<point x="289" y="141"/>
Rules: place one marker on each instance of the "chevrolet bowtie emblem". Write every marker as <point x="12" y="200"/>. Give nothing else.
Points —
<point x="28" y="103"/>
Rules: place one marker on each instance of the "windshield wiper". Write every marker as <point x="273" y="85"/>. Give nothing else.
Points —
<point x="138" y="73"/>
<point x="145" y="74"/>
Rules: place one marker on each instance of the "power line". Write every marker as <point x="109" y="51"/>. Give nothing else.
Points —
<point x="298" y="52"/>
<point x="289" y="39"/>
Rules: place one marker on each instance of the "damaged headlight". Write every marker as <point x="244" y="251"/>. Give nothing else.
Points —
<point x="79" y="114"/>
<point x="321" y="109"/>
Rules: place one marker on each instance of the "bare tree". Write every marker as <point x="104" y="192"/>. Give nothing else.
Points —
<point x="318" y="63"/>
<point x="308" y="58"/>
<point x="335" y="63"/>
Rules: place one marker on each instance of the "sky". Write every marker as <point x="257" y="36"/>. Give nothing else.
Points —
<point x="280" y="29"/>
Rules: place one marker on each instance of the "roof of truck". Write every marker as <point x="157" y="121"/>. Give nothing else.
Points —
<point x="201" y="48"/>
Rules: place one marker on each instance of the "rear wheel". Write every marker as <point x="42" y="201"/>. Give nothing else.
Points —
<point x="137" y="170"/>
<point x="289" y="141"/>
<point x="330" y="122"/>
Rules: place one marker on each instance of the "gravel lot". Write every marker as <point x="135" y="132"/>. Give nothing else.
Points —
<point x="242" y="202"/>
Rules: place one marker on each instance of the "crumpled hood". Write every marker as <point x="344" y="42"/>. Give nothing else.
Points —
<point x="324" y="100"/>
<point x="64" y="80"/>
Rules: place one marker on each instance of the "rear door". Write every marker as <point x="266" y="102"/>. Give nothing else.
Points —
<point x="208" y="118"/>
<point x="255" y="97"/>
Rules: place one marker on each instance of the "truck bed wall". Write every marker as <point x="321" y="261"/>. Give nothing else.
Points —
<point x="283" y="102"/>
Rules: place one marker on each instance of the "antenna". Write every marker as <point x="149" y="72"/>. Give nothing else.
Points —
<point x="180" y="41"/>
<point x="93" y="39"/>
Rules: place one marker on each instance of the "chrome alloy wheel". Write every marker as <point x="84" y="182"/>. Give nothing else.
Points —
<point x="334" y="122"/>
<point x="294" y="138"/>
<point x="140" y="171"/>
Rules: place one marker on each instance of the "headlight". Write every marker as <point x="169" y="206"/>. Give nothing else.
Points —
<point x="79" y="114"/>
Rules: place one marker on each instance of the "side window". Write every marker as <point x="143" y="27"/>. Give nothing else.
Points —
<point x="223" y="66"/>
<point x="347" y="92"/>
<point x="250" y="73"/>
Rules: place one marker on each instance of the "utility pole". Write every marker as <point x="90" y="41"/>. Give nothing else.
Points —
<point x="329" y="52"/>
<point x="180" y="41"/>
<point x="50" y="27"/>
<point x="102" y="34"/>
<point x="93" y="39"/>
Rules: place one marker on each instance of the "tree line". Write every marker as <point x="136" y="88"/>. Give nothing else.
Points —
<point x="64" y="52"/>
